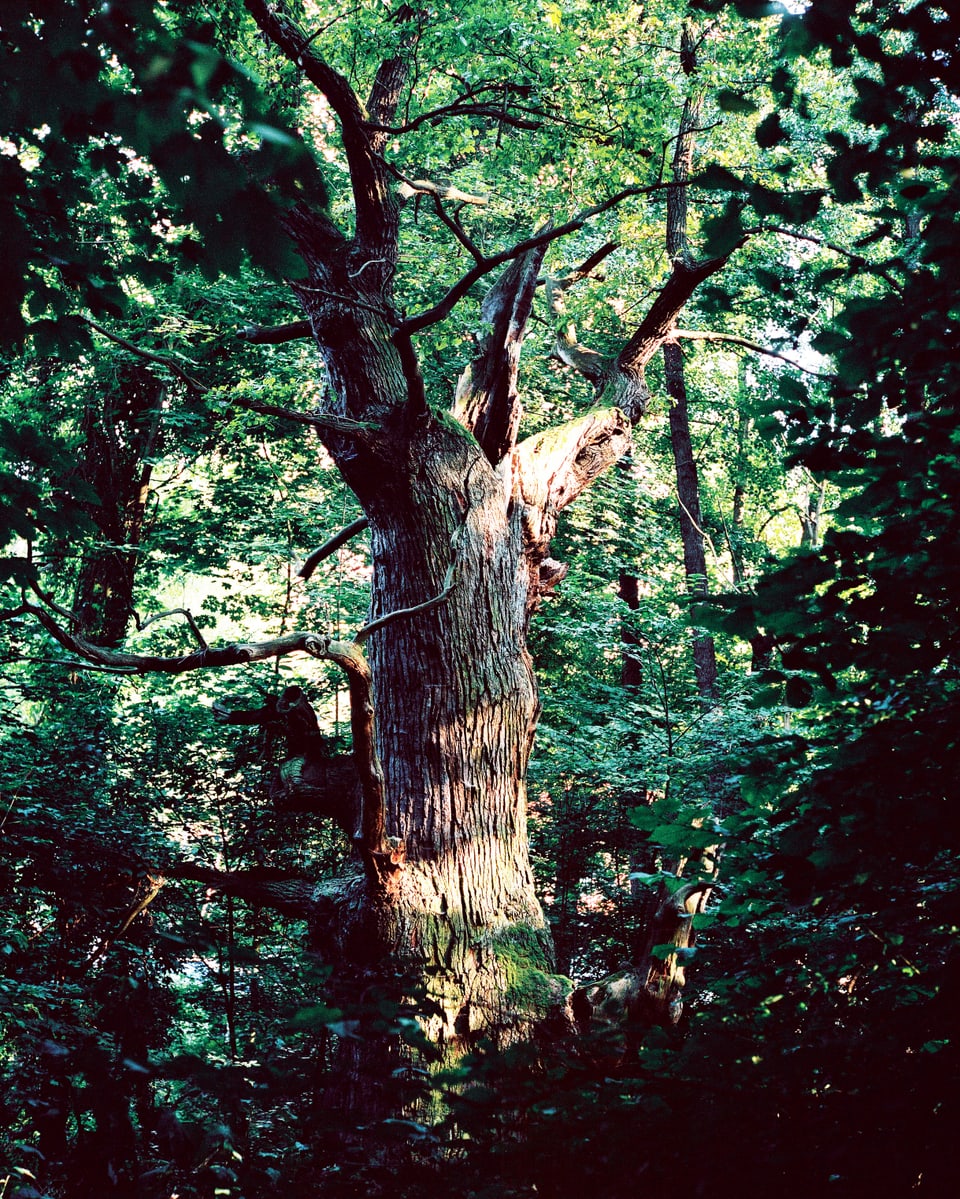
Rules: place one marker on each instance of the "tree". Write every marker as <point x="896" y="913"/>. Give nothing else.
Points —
<point x="381" y="215"/>
<point x="461" y="513"/>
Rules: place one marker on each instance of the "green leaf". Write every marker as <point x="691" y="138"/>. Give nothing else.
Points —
<point x="730" y="101"/>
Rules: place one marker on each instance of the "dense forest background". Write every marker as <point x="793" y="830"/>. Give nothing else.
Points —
<point x="746" y="651"/>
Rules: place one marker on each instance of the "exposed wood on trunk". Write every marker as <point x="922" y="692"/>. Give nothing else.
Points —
<point x="487" y="401"/>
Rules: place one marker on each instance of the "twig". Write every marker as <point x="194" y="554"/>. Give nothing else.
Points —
<point x="337" y="424"/>
<point x="142" y="624"/>
<point x="73" y="665"/>
<point x="706" y="536"/>
<point x="829" y="245"/>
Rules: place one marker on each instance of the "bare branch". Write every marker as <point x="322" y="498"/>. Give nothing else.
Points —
<point x="660" y="320"/>
<point x="378" y="856"/>
<point x="311" y="563"/>
<point x="733" y="339"/>
<point x="587" y="268"/>
<point x="857" y="259"/>
<point x="413" y="187"/>
<point x="70" y="664"/>
<point x="462" y="108"/>
<point x="66" y="613"/>
<point x="238" y="654"/>
<point x="12" y="613"/>
<point x="184" y="612"/>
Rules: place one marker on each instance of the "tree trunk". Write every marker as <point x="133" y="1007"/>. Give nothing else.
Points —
<point x="457" y="706"/>
<point x="451" y="899"/>
<point x="119" y="437"/>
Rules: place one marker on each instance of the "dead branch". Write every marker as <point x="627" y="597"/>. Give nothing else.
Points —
<point x="856" y="259"/>
<point x="439" y="191"/>
<point x="184" y="612"/>
<point x="401" y="613"/>
<point x="487" y="400"/>
<point x="336" y="424"/>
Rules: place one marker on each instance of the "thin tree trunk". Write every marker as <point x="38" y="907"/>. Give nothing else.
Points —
<point x="691" y="519"/>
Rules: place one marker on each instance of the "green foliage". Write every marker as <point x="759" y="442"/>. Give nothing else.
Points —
<point x="181" y="1047"/>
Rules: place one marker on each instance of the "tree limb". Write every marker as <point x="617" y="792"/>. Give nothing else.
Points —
<point x="733" y="339"/>
<point x="312" y="561"/>
<point x="378" y="856"/>
<point x="661" y="318"/>
<point x="376" y="215"/>
<point x="487" y="400"/>
<point x="399" y="613"/>
<point x="439" y="191"/>
<point x="445" y="306"/>
<point x="337" y="424"/>
<point x="291" y="894"/>
<point x="272" y="335"/>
